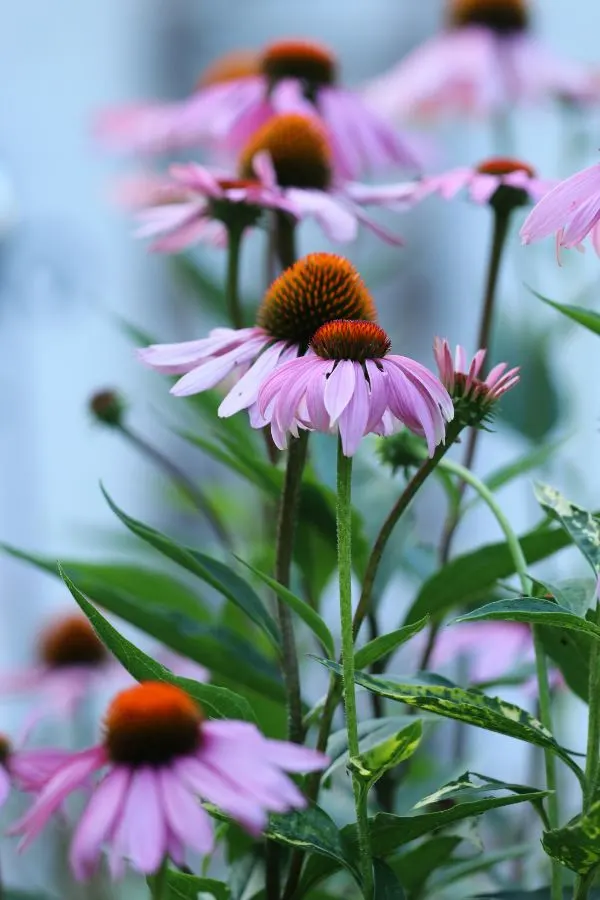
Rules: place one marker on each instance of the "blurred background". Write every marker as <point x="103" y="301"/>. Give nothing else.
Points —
<point x="71" y="274"/>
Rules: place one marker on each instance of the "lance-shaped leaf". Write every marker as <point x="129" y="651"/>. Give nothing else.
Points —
<point x="534" y="612"/>
<point x="577" y="846"/>
<point x="217" y="701"/>
<point x="581" y="525"/>
<point x="371" y="732"/>
<point x="387" y="643"/>
<point x="438" y="695"/>
<point x="386" y="885"/>
<point x="180" y="886"/>
<point x="372" y="764"/>
<point x="586" y="317"/>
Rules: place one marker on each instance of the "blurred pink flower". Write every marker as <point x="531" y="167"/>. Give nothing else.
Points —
<point x="316" y="289"/>
<point x="73" y="663"/>
<point x="26" y="770"/>
<point x="348" y="383"/>
<point x="483" y="182"/>
<point x="571" y="211"/>
<point x="160" y="757"/>
<point x="485" y="62"/>
<point x="294" y="76"/>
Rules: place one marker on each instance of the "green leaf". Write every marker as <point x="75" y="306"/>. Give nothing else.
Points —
<point x="577" y="846"/>
<point x="387" y="886"/>
<point x="219" y="576"/>
<point x="570" y="651"/>
<point x="370" y="733"/>
<point x="465" y="579"/>
<point x="387" y="643"/>
<point x="217" y="701"/>
<point x="581" y="525"/>
<point x="208" y="644"/>
<point x="526" y="463"/>
<point x="459" y="869"/>
<point x="312" y="829"/>
<point x="187" y="887"/>
<point x="534" y="612"/>
<point x="373" y="763"/>
<point x="440" y="696"/>
<point x="586" y="317"/>
<point x="415" y="866"/>
<point x="308" y="615"/>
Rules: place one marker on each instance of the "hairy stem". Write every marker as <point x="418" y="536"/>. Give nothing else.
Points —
<point x="344" y="541"/>
<point x="181" y="481"/>
<point x="232" y="291"/>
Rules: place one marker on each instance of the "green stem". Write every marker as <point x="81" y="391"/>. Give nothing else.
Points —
<point x="520" y="564"/>
<point x="285" y="239"/>
<point x="180" y="480"/>
<point x="344" y="542"/>
<point x="160" y="887"/>
<point x="283" y="563"/>
<point x="583" y="883"/>
<point x="234" y="309"/>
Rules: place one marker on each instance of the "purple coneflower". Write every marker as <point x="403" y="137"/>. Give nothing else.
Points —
<point x="472" y="395"/>
<point x="293" y="76"/>
<point x="286" y="165"/>
<point x="26" y="770"/>
<point x="348" y="382"/>
<point x="571" y="211"/>
<point x="316" y="289"/>
<point x="158" y="759"/>
<point x="486" y="61"/>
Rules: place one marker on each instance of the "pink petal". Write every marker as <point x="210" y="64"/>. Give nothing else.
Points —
<point x="4" y="785"/>
<point x="378" y="398"/>
<point x="97" y="822"/>
<point x="338" y="222"/>
<point x="142" y="831"/>
<point x="185" y="817"/>
<point x="213" y="787"/>
<point x="245" y="392"/>
<point x="339" y="389"/>
<point x="353" y="419"/>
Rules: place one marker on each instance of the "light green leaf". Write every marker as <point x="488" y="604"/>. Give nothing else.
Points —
<point x="532" y="611"/>
<point x="219" y="576"/>
<point x="526" y="463"/>
<point x="577" y="846"/>
<point x="387" y="643"/>
<point x="581" y="525"/>
<point x="308" y="615"/>
<point x="459" y="869"/>
<point x="438" y="695"/>
<point x="217" y="701"/>
<point x="370" y="733"/>
<point x="387" y="886"/>
<point x="313" y="830"/>
<point x="586" y="317"/>
<point x="466" y="579"/>
<point x="373" y="763"/>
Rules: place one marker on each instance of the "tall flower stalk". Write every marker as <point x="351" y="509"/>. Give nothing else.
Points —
<point x="235" y="233"/>
<point x="344" y="542"/>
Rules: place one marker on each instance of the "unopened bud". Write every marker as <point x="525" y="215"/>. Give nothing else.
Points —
<point x="107" y="407"/>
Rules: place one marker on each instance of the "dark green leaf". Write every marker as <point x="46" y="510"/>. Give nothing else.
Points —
<point x="577" y="846"/>
<point x="187" y="887"/>
<point x="575" y="594"/>
<point x="570" y="651"/>
<point x="415" y="866"/>
<point x="308" y="615"/>
<point x="218" y="702"/>
<point x="387" y="886"/>
<point x="387" y="643"/>
<point x="581" y="525"/>
<point x="586" y="317"/>
<point x="535" y="612"/>
<point x="440" y="696"/>
<point x="463" y="580"/>
<point x="219" y="576"/>
<point x="541" y="894"/>
<point x="312" y="829"/>
<point x="370" y="765"/>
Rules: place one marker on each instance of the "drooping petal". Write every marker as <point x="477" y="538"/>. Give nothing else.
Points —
<point x="215" y="370"/>
<point x="353" y="420"/>
<point x="338" y="222"/>
<point x="4" y="785"/>
<point x="556" y="209"/>
<point x="211" y="785"/>
<point x="187" y="820"/>
<point x="142" y="831"/>
<point x="245" y="392"/>
<point x="339" y="389"/>
<point x="97" y="822"/>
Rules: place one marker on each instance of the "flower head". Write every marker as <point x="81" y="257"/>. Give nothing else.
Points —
<point x="230" y="67"/>
<point x="293" y="76"/>
<point x="503" y="183"/>
<point x="473" y="397"/>
<point x="571" y="211"/>
<point x="316" y="289"/>
<point x="348" y="382"/>
<point x="159" y="758"/>
<point x="298" y="148"/>
<point x="485" y="61"/>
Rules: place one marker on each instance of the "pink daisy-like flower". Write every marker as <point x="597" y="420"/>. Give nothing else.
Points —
<point x="348" y="382"/>
<point x="295" y="76"/>
<point x="500" y="180"/>
<point x="473" y="396"/>
<point x="571" y="211"/>
<point x="485" y="62"/>
<point x="158" y="759"/>
<point x="72" y="662"/>
<point x="286" y="165"/>
<point x="316" y="289"/>
<point x="26" y="770"/>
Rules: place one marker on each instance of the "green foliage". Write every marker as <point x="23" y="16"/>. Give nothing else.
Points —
<point x="218" y="702"/>
<point x="386" y="643"/>
<point x="387" y="886"/>
<point x="577" y="846"/>
<point x="582" y="526"/>
<point x="586" y="317"/>
<point x="180" y="886"/>
<point x="440" y="696"/>
<point x="371" y="764"/>
<point x="535" y="612"/>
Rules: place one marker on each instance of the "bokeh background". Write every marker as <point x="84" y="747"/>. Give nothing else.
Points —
<point x="71" y="273"/>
